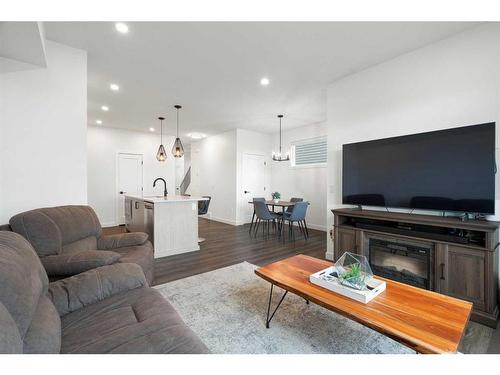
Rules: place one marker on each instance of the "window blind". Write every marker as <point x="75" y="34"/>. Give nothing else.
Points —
<point x="309" y="152"/>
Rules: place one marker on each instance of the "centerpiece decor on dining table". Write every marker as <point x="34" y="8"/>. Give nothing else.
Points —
<point x="276" y="197"/>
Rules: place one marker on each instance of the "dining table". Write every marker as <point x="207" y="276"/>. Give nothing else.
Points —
<point x="283" y="204"/>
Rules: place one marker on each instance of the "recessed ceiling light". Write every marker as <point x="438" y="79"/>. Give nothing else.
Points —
<point x="196" y="135"/>
<point x="98" y="122"/>
<point x="264" y="81"/>
<point x="151" y="129"/>
<point x="105" y="108"/>
<point x="121" y="27"/>
<point x="114" y="87"/>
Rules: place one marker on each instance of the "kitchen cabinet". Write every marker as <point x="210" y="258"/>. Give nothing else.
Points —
<point x="135" y="218"/>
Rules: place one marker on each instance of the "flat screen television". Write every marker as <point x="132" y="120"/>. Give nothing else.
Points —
<point x="445" y="170"/>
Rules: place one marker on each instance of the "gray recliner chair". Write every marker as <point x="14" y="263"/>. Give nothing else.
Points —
<point x="69" y="240"/>
<point x="108" y="309"/>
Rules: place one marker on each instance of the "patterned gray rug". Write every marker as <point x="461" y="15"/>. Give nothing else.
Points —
<point x="227" y="309"/>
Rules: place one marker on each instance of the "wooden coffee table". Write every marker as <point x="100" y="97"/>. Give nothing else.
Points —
<point x="425" y="321"/>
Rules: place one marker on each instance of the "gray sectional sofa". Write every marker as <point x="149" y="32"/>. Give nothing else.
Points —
<point x="69" y="240"/>
<point x="108" y="309"/>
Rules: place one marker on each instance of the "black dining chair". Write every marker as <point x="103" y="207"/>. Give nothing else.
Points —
<point x="289" y="209"/>
<point x="203" y="210"/>
<point x="297" y="215"/>
<point x="203" y="205"/>
<point x="263" y="214"/>
<point x="259" y="199"/>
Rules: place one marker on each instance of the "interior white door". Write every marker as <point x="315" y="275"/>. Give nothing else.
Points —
<point x="128" y="181"/>
<point x="253" y="182"/>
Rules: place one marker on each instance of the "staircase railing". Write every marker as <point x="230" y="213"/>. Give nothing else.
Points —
<point x="185" y="182"/>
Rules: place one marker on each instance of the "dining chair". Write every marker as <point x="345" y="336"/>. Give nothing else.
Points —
<point x="203" y="205"/>
<point x="253" y="215"/>
<point x="262" y="213"/>
<point x="203" y="210"/>
<point x="289" y="209"/>
<point x="298" y="215"/>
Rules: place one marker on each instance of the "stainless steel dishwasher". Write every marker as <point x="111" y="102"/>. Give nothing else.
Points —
<point x="149" y="220"/>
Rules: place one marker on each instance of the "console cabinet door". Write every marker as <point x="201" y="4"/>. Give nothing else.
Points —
<point x="347" y="240"/>
<point x="461" y="272"/>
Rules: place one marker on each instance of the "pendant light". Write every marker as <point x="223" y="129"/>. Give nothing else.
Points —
<point x="277" y="156"/>
<point x="177" y="149"/>
<point x="161" y="155"/>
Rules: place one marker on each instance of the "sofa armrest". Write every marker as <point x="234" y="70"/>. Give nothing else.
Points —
<point x="87" y="288"/>
<point x="74" y="263"/>
<point x="121" y="240"/>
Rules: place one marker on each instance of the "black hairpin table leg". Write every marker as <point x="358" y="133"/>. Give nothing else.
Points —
<point x="268" y="319"/>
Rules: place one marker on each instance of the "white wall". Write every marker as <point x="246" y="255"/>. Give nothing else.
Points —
<point x="43" y="124"/>
<point x="304" y="182"/>
<point x="213" y="173"/>
<point x="217" y="170"/>
<point x="103" y="146"/>
<point x="454" y="82"/>
<point x="254" y="143"/>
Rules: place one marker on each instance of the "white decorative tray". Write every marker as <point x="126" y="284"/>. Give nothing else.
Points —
<point x="326" y="280"/>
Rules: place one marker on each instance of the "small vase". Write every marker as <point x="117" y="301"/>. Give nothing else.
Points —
<point x="276" y="200"/>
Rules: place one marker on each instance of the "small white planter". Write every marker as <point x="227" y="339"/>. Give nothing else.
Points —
<point x="323" y="279"/>
<point x="276" y="200"/>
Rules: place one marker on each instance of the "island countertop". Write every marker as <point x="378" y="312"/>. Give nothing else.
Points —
<point x="170" y="198"/>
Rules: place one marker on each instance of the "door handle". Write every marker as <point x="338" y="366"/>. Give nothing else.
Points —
<point x="246" y="192"/>
<point x="122" y="192"/>
<point x="442" y="271"/>
<point x="136" y="205"/>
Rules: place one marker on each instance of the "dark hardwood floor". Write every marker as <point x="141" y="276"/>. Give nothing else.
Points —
<point x="226" y="245"/>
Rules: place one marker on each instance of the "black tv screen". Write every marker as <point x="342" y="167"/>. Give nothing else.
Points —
<point x="446" y="170"/>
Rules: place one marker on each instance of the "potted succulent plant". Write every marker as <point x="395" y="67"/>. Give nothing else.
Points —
<point x="276" y="197"/>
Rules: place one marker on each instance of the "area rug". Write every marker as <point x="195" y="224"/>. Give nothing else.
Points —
<point x="227" y="308"/>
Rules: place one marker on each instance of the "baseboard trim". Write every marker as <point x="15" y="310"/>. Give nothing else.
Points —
<point x="321" y="228"/>
<point x="222" y="220"/>
<point x="107" y="225"/>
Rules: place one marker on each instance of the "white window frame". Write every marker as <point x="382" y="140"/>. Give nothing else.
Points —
<point x="305" y="141"/>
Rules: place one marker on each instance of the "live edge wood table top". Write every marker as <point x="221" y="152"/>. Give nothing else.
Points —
<point x="425" y="321"/>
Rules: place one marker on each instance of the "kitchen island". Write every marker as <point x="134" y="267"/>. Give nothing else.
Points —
<point x="171" y="222"/>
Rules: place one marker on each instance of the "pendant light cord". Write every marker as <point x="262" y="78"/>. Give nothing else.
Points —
<point x="177" y="122"/>
<point x="161" y="132"/>
<point x="280" y="136"/>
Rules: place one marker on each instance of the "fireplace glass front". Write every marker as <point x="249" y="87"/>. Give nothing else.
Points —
<point x="403" y="262"/>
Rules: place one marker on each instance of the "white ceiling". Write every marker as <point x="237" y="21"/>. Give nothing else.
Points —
<point x="21" y="46"/>
<point x="214" y="69"/>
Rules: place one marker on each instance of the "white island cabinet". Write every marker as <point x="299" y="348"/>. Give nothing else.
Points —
<point x="171" y="222"/>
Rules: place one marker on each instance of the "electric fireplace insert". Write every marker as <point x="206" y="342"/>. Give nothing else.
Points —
<point x="410" y="263"/>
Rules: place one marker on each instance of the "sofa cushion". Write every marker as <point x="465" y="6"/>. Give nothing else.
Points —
<point x="74" y="263"/>
<point x="44" y="333"/>
<point x="22" y="279"/>
<point x="10" y="339"/>
<point x="87" y="243"/>
<point x="49" y="229"/>
<point x="141" y="255"/>
<point x="138" y="321"/>
<point x="39" y="230"/>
